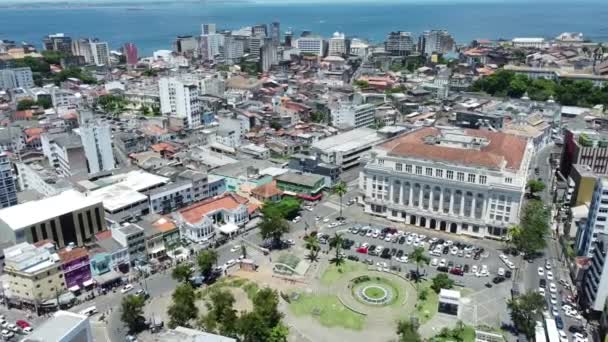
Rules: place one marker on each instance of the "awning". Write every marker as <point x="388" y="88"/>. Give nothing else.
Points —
<point x="74" y="288"/>
<point x="107" y="277"/>
<point x="228" y="228"/>
<point x="88" y="283"/>
<point x="311" y="198"/>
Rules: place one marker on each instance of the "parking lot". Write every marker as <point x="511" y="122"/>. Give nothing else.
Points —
<point x="469" y="264"/>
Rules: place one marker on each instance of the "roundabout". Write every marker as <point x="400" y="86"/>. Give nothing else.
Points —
<point x="375" y="290"/>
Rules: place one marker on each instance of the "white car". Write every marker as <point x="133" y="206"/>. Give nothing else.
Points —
<point x="554" y="311"/>
<point x="510" y="264"/>
<point x="474" y="269"/>
<point x="325" y="220"/>
<point x="28" y="330"/>
<point x="562" y="336"/>
<point x="501" y="271"/>
<point x="442" y="263"/>
<point x="409" y="240"/>
<point x="235" y="248"/>
<point x="433" y="240"/>
<point x="552" y="288"/>
<point x="449" y="243"/>
<point x="541" y="291"/>
<point x="566" y="308"/>
<point x="549" y="275"/>
<point x="548" y="265"/>
<point x="484" y="271"/>
<point x="434" y="262"/>
<point x="296" y="219"/>
<point x="230" y="262"/>
<point x="541" y="272"/>
<point x="388" y="237"/>
<point x="369" y="233"/>
<point x="454" y="250"/>
<point x="126" y="288"/>
<point x="553" y="300"/>
<point x="404" y="259"/>
<point x="7" y="334"/>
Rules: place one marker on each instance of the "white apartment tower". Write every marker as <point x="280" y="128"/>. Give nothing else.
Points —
<point x="101" y="53"/>
<point x="268" y="55"/>
<point x="97" y="144"/>
<point x="437" y="41"/>
<point x="460" y="181"/>
<point x="208" y="29"/>
<point x="180" y="98"/>
<point x="337" y="45"/>
<point x="16" y="78"/>
<point x="210" y="45"/>
<point x="594" y="287"/>
<point x="312" y="45"/>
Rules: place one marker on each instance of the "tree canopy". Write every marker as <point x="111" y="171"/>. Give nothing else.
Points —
<point x="441" y="281"/>
<point x="181" y="273"/>
<point x="205" y="260"/>
<point x="525" y="311"/>
<point x="221" y="316"/>
<point x="273" y="227"/>
<point x="183" y="309"/>
<point x="530" y="236"/>
<point x="566" y="92"/>
<point x="286" y="208"/>
<point x="535" y="186"/>
<point x="408" y="332"/>
<point x="131" y="312"/>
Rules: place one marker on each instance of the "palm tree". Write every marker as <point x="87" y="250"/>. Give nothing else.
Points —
<point x="419" y="257"/>
<point x="312" y="244"/>
<point x="340" y="189"/>
<point x="336" y="242"/>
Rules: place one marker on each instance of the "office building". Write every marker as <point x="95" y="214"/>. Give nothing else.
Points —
<point x="208" y="29"/>
<point x="353" y="116"/>
<point x="130" y="51"/>
<point x="255" y="45"/>
<point x="180" y="98"/>
<point x="311" y="45"/>
<point x="268" y="55"/>
<point x="346" y="149"/>
<point x="460" y="181"/>
<point x="8" y="189"/>
<point x="82" y="47"/>
<point x="132" y="236"/>
<point x="34" y="273"/>
<point x="596" y="219"/>
<point x="275" y="33"/>
<point x="338" y="45"/>
<point x="585" y="147"/>
<point x="210" y="45"/>
<point x="288" y="38"/>
<point x="187" y="45"/>
<point x="399" y="43"/>
<point x="436" y="41"/>
<point x="16" y="78"/>
<point x="64" y="326"/>
<point x="64" y="218"/>
<point x="65" y="152"/>
<point x="96" y="140"/>
<point x="594" y="286"/>
<point x="234" y="48"/>
<point x="58" y="42"/>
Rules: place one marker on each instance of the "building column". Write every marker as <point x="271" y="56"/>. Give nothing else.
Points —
<point x="462" y="196"/>
<point x="473" y="203"/>
<point x="452" y="194"/>
<point x="484" y="206"/>
<point x="411" y="194"/>
<point x="440" y="207"/>
<point x="401" y="194"/>
<point x="420" y="197"/>
<point x="391" y="189"/>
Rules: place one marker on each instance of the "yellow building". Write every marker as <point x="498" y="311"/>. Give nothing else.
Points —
<point x="34" y="273"/>
<point x="581" y="184"/>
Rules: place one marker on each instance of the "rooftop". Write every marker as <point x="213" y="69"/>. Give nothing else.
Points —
<point x="68" y="255"/>
<point x="267" y="190"/>
<point x="56" y="328"/>
<point x="473" y="148"/>
<point x="239" y="169"/>
<point x="195" y="212"/>
<point x="351" y="140"/>
<point x="294" y="178"/>
<point x="30" y="213"/>
<point x="181" y="334"/>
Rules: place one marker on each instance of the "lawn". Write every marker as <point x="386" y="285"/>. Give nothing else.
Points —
<point x="333" y="272"/>
<point x="398" y="291"/>
<point x="328" y="310"/>
<point x="467" y="334"/>
<point x="427" y="308"/>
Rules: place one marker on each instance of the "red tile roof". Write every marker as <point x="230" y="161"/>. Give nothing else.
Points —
<point x="267" y="190"/>
<point x="195" y="212"/>
<point x="164" y="224"/>
<point x="502" y="149"/>
<point x="67" y="255"/>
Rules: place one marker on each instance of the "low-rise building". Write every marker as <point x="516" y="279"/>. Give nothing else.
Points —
<point x="245" y="172"/>
<point x="132" y="236"/>
<point x="306" y="186"/>
<point x="76" y="268"/>
<point x="346" y="149"/>
<point x="64" y="326"/>
<point x="268" y="192"/>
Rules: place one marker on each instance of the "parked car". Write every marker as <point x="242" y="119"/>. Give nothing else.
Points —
<point x="126" y="288"/>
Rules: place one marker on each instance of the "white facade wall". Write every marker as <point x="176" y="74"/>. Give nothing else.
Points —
<point x="310" y="45"/>
<point x="97" y="144"/>
<point x="443" y="196"/>
<point x="337" y="45"/>
<point x="100" y="53"/>
<point x="180" y="99"/>
<point x="596" y="224"/>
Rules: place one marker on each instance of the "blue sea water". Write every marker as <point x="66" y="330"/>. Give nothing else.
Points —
<point x="154" y="26"/>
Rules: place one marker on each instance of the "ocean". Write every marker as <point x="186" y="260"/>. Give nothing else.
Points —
<point x="154" y="26"/>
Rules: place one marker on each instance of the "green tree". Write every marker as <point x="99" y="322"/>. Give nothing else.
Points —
<point x="52" y="57"/>
<point x="518" y="86"/>
<point x="408" y="332"/>
<point x="441" y="281"/>
<point x="535" y="186"/>
<point x="534" y="223"/>
<point x="340" y="189"/>
<point x="513" y="236"/>
<point x="273" y="227"/>
<point x="150" y="73"/>
<point x="251" y="328"/>
<point x="221" y="316"/>
<point x="312" y="244"/>
<point x="318" y="117"/>
<point x="206" y="260"/>
<point x="361" y="83"/>
<point x="45" y="102"/>
<point x="279" y="333"/>
<point x="183" y="309"/>
<point x="265" y="304"/>
<point x="336" y="242"/>
<point x="525" y="311"/>
<point x="132" y="311"/>
<point x="26" y="104"/>
<point x="181" y="273"/>
<point x="287" y="208"/>
<point x="419" y="257"/>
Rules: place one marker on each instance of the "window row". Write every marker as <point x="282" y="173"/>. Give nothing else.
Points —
<point x="439" y="173"/>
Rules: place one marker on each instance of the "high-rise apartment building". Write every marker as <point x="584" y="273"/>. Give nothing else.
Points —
<point x="338" y="45"/>
<point x="436" y="41"/>
<point x="275" y="33"/>
<point x="101" y="53"/>
<point x="180" y="98"/>
<point x="8" y="190"/>
<point x="186" y="45"/>
<point x="16" y="78"/>
<point x="311" y="45"/>
<point x="288" y="38"/>
<point x="259" y="30"/>
<point x="234" y="48"/>
<point x="596" y="224"/>
<point x="208" y="29"/>
<point x="210" y="45"/>
<point x="268" y="55"/>
<point x="130" y="51"/>
<point x="399" y="43"/>
<point x="97" y="144"/>
<point x="58" y="42"/>
<point x="255" y="44"/>
<point x="93" y="51"/>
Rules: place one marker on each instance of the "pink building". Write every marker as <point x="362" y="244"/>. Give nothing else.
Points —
<point x="130" y="51"/>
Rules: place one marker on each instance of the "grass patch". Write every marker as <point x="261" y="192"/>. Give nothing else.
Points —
<point x="333" y="272"/>
<point x="251" y="289"/>
<point x="426" y="308"/>
<point x="447" y="335"/>
<point x="397" y="291"/>
<point x="328" y="310"/>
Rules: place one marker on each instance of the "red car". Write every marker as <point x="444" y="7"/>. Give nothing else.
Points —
<point x="362" y="250"/>
<point x="456" y="271"/>
<point x="22" y="324"/>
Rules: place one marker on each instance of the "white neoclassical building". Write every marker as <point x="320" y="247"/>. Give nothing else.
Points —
<point x="460" y="181"/>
